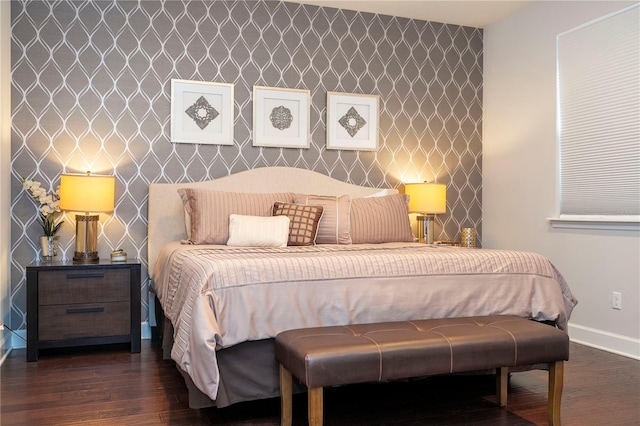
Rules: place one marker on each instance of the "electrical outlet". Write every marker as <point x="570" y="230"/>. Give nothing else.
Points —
<point x="617" y="300"/>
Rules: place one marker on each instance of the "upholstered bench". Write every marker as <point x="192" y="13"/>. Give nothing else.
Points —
<point x="340" y="355"/>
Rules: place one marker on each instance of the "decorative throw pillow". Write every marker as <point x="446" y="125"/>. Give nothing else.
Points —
<point x="334" y="225"/>
<point x="380" y="219"/>
<point x="304" y="220"/>
<point x="208" y="211"/>
<point x="258" y="231"/>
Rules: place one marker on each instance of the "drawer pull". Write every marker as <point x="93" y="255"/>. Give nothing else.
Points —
<point x="85" y="310"/>
<point x="85" y="275"/>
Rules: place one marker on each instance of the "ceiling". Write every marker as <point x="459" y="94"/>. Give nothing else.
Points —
<point x="478" y="13"/>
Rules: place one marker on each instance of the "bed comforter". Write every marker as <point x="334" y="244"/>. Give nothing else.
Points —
<point x="219" y="296"/>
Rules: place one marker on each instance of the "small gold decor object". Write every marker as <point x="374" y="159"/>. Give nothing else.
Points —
<point x="468" y="237"/>
<point x="118" y="256"/>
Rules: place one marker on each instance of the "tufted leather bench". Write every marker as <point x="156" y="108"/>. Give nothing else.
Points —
<point x="340" y="355"/>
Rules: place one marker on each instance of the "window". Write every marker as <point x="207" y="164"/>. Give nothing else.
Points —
<point x="598" y="79"/>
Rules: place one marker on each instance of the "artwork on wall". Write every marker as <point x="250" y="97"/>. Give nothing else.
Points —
<point x="281" y="117"/>
<point x="352" y="121"/>
<point x="201" y="112"/>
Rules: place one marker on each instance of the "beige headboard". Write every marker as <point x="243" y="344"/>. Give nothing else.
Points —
<point x="166" y="214"/>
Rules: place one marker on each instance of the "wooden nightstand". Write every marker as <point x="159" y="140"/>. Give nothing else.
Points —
<point x="74" y="304"/>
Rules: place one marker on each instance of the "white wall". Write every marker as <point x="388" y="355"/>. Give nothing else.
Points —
<point x="519" y="174"/>
<point x="5" y="166"/>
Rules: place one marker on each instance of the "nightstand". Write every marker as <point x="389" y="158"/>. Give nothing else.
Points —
<point x="75" y="304"/>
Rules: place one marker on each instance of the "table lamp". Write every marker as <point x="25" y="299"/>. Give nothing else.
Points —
<point x="426" y="199"/>
<point x="87" y="193"/>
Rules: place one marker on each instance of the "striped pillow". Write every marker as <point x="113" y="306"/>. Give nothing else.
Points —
<point x="208" y="211"/>
<point x="334" y="225"/>
<point x="380" y="219"/>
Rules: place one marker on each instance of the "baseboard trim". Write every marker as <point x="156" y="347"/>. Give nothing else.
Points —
<point x="603" y="340"/>
<point x="5" y="347"/>
<point x="145" y="331"/>
<point x="19" y="339"/>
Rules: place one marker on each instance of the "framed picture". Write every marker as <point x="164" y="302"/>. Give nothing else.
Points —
<point x="281" y="117"/>
<point x="201" y="112"/>
<point x="352" y="121"/>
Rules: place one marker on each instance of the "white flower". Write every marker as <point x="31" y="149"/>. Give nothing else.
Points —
<point x="45" y="199"/>
<point x="49" y="205"/>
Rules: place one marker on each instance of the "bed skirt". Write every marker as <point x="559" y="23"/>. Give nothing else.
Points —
<point x="248" y="371"/>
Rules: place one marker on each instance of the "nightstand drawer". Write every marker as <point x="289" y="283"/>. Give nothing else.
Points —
<point x="58" y="322"/>
<point x="83" y="286"/>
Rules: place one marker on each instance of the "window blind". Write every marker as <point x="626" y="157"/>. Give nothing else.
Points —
<point x="598" y="79"/>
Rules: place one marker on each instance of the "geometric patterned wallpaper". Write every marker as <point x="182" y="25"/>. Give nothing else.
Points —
<point x="91" y="91"/>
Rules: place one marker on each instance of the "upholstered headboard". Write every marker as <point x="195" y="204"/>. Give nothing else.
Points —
<point x="166" y="213"/>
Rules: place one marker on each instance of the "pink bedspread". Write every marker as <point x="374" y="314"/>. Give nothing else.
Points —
<point x="218" y="296"/>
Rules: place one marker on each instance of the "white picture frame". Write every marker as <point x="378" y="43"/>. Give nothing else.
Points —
<point x="281" y="117"/>
<point x="352" y="121"/>
<point x="202" y="112"/>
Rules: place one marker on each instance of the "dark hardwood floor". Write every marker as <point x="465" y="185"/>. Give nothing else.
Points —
<point x="110" y="386"/>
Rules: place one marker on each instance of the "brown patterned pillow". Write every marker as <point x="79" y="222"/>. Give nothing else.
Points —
<point x="303" y="225"/>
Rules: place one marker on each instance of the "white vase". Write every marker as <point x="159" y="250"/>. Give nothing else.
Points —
<point x="49" y="246"/>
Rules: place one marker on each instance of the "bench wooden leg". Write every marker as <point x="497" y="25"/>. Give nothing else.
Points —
<point x="315" y="406"/>
<point x="286" y="397"/>
<point x="502" y="383"/>
<point x="556" y="374"/>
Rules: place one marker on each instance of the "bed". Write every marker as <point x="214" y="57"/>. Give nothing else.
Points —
<point x="223" y="295"/>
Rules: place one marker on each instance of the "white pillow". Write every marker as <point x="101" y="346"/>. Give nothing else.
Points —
<point x="258" y="231"/>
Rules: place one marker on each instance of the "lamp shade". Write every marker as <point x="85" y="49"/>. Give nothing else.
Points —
<point x="429" y="198"/>
<point x="87" y="193"/>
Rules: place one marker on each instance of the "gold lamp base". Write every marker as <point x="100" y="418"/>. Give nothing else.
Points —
<point x="86" y="239"/>
<point x="425" y="228"/>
